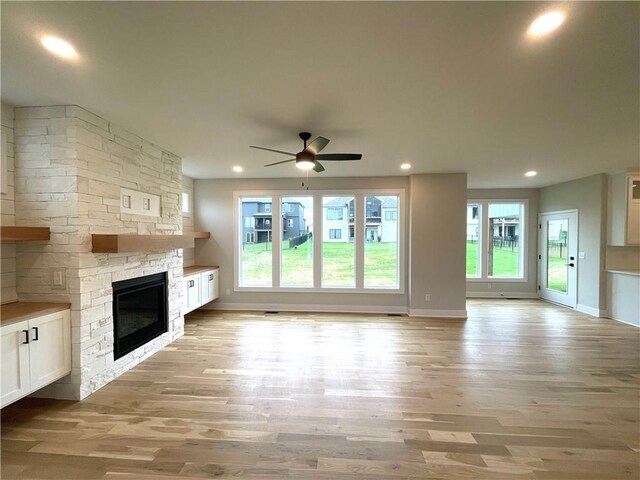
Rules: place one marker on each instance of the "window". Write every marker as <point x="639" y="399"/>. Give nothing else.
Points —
<point x="334" y="213"/>
<point x="504" y="253"/>
<point x="338" y="253"/>
<point x="296" y="258"/>
<point x="255" y="252"/>
<point x="473" y="242"/>
<point x="381" y="259"/>
<point x="186" y="199"/>
<point x="495" y="239"/>
<point x="357" y="247"/>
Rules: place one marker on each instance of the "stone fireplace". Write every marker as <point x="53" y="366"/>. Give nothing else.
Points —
<point x="70" y="168"/>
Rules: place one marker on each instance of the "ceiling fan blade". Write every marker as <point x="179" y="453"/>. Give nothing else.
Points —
<point x="339" y="156"/>
<point x="283" y="161"/>
<point x="317" y="145"/>
<point x="272" y="150"/>
<point x="318" y="167"/>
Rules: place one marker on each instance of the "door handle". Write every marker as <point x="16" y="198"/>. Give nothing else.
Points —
<point x="35" y="330"/>
<point x="570" y="264"/>
<point x="26" y="336"/>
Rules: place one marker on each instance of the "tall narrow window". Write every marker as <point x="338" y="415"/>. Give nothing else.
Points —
<point x="504" y="238"/>
<point x="381" y="259"/>
<point x="338" y="248"/>
<point x="256" y="252"/>
<point x="473" y="240"/>
<point x="297" y="242"/>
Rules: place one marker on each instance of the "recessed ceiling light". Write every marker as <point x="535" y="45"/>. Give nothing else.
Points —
<point x="405" y="166"/>
<point x="238" y="169"/>
<point x="531" y="173"/>
<point x="59" y="47"/>
<point x="546" y="23"/>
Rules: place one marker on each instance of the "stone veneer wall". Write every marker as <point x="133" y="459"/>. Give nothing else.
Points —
<point x="8" y="249"/>
<point x="187" y="220"/>
<point x="70" y="166"/>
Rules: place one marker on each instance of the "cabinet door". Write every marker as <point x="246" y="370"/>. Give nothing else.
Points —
<point x="206" y="280"/>
<point x="216" y="284"/>
<point x="633" y="210"/>
<point x="193" y="292"/>
<point x="15" y="362"/>
<point x="49" y="348"/>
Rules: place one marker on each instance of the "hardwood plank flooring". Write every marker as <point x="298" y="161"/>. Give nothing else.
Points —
<point x="520" y="390"/>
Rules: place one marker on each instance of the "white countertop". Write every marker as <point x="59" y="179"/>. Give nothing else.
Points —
<point x="626" y="272"/>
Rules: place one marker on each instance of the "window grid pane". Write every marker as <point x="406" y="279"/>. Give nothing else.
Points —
<point x="504" y="240"/>
<point x="381" y="241"/>
<point x="297" y="242"/>
<point x="256" y="256"/>
<point x="473" y="240"/>
<point x="338" y="248"/>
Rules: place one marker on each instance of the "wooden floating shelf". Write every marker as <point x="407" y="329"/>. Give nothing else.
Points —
<point x="130" y="243"/>
<point x="199" y="234"/>
<point x="24" y="234"/>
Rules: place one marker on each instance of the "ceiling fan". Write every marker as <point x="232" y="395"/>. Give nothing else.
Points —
<point x="309" y="157"/>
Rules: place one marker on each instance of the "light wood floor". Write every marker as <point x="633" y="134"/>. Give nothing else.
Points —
<point x="521" y="390"/>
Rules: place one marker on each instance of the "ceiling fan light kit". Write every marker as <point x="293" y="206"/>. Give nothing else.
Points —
<point x="308" y="158"/>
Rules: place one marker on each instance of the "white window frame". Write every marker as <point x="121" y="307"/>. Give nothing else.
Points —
<point x="483" y="239"/>
<point x="336" y="237"/>
<point x="186" y="204"/>
<point x="276" y="211"/>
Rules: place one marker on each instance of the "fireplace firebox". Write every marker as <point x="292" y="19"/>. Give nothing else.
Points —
<point x="139" y="312"/>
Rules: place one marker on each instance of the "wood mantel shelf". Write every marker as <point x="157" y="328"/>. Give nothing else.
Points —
<point x="126" y="243"/>
<point x="199" y="234"/>
<point x="15" y="233"/>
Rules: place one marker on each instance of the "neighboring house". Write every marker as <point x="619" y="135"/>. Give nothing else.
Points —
<point x="257" y="221"/>
<point x="504" y="221"/>
<point x="381" y="223"/>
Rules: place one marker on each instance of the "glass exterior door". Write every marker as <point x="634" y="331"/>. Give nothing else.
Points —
<point x="558" y="257"/>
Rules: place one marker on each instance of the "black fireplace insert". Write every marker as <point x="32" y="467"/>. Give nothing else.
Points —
<point x="139" y="312"/>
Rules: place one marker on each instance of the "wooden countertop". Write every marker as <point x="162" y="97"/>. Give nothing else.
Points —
<point x="18" y="311"/>
<point x="193" y="269"/>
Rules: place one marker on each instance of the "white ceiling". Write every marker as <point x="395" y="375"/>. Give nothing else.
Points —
<point x="448" y="87"/>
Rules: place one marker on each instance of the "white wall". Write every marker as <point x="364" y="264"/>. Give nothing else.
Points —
<point x="589" y="196"/>
<point x="436" y="203"/>
<point x="8" y="291"/>
<point x="514" y="288"/>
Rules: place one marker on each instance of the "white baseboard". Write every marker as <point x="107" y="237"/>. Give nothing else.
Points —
<point x="622" y="321"/>
<point x="419" y="312"/>
<point x="501" y="295"/>
<point x="594" y="312"/>
<point x="279" y="307"/>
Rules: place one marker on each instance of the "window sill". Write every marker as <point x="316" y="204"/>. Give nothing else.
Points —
<point x="348" y="290"/>
<point x="497" y="280"/>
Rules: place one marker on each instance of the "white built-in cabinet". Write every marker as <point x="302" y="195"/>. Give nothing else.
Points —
<point x="633" y="210"/>
<point x="34" y="353"/>
<point x="623" y="215"/>
<point x="201" y="286"/>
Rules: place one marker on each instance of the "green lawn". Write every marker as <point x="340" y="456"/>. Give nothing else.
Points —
<point x="505" y="261"/>
<point x="338" y="264"/>
<point x="505" y="264"/>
